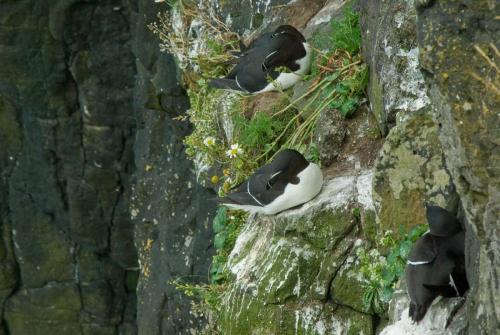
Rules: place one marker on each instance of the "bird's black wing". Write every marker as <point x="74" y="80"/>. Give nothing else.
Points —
<point x="224" y="83"/>
<point x="265" y="187"/>
<point x="424" y="250"/>
<point x="240" y="197"/>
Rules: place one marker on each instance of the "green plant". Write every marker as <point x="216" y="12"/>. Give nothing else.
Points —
<point x="337" y="80"/>
<point x="207" y="51"/>
<point x="346" y="32"/>
<point x="379" y="273"/>
<point x="208" y="295"/>
<point x="226" y="226"/>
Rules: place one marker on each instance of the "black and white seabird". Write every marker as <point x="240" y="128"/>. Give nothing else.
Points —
<point x="441" y="222"/>
<point x="257" y="72"/>
<point x="288" y="181"/>
<point x="436" y="264"/>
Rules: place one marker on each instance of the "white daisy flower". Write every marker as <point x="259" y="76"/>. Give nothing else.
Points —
<point x="209" y="141"/>
<point x="234" y="151"/>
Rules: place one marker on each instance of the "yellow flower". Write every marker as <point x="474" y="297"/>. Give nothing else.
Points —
<point x="234" y="151"/>
<point x="209" y="141"/>
<point x="214" y="179"/>
<point x="226" y="172"/>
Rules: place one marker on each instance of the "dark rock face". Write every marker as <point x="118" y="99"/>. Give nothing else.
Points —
<point x="67" y="237"/>
<point x="171" y="211"/>
<point x="74" y="80"/>
<point x="449" y="34"/>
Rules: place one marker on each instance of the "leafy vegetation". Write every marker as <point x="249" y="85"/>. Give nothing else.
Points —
<point x="379" y="273"/>
<point x="346" y="32"/>
<point x="337" y="81"/>
<point x="226" y="226"/>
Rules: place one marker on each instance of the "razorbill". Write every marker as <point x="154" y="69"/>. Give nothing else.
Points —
<point x="436" y="263"/>
<point x="289" y="180"/>
<point x="441" y="222"/>
<point x="256" y="70"/>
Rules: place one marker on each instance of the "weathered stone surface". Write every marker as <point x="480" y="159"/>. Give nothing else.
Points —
<point x="67" y="131"/>
<point x="329" y="135"/>
<point x="396" y="86"/>
<point x="284" y="266"/>
<point x="77" y="79"/>
<point x="409" y="171"/>
<point x="51" y="309"/>
<point x="171" y="211"/>
<point x="444" y="316"/>
<point x="449" y="34"/>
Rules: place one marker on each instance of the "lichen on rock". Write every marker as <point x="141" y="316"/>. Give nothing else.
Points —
<point x="410" y="170"/>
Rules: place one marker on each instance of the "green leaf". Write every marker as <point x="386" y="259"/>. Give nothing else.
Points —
<point x="416" y="232"/>
<point x="220" y="220"/>
<point x="219" y="240"/>
<point x="349" y="106"/>
<point x="335" y="104"/>
<point x="342" y="88"/>
<point x="392" y="257"/>
<point x="404" y="249"/>
<point x="388" y="276"/>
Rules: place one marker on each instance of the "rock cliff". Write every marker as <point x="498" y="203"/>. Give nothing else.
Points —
<point x="101" y="210"/>
<point x="86" y="108"/>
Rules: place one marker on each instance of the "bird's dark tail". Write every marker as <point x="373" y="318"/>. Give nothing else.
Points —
<point x="227" y="200"/>
<point x="417" y="312"/>
<point x="225" y="84"/>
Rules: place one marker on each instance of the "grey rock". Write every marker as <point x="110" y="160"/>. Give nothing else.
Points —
<point x="410" y="170"/>
<point x="274" y="290"/>
<point x="172" y="213"/>
<point x="444" y="316"/>
<point x="396" y="87"/>
<point x="329" y="135"/>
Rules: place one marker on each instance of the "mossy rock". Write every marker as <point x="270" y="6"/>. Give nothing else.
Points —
<point x="53" y="309"/>
<point x="345" y="288"/>
<point x="283" y="268"/>
<point x="410" y="170"/>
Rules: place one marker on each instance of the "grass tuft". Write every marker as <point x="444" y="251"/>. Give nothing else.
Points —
<point x="347" y="32"/>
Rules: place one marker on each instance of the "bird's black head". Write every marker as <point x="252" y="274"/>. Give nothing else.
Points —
<point x="287" y="29"/>
<point x="291" y="161"/>
<point x="441" y="221"/>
